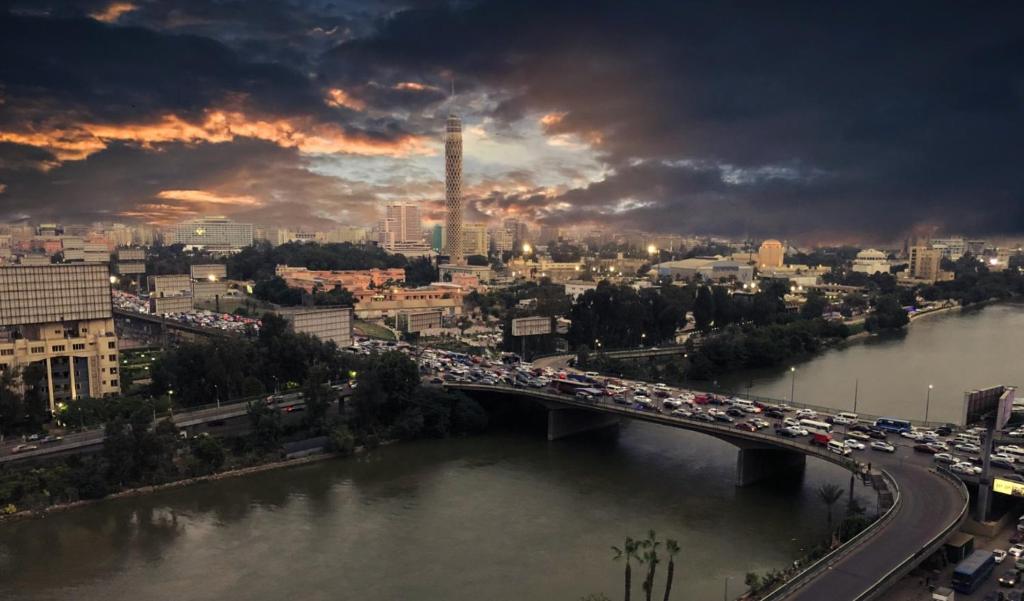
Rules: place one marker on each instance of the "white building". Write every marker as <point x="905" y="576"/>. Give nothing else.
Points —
<point x="871" y="261"/>
<point x="212" y="233"/>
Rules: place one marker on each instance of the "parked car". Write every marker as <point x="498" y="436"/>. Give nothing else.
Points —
<point x="966" y="447"/>
<point x="999" y="555"/>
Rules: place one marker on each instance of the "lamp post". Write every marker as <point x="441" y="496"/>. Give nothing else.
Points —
<point x="643" y="338"/>
<point x="792" y="383"/>
<point x="927" y="402"/>
<point x="725" y="593"/>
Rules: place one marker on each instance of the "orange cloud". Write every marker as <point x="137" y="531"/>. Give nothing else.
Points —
<point x="414" y="86"/>
<point x="339" y="97"/>
<point x="552" y="119"/>
<point x="204" y="196"/>
<point x="113" y="11"/>
<point x="308" y="136"/>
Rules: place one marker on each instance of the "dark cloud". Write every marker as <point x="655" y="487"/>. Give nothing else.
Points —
<point x="912" y="110"/>
<point x="806" y="119"/>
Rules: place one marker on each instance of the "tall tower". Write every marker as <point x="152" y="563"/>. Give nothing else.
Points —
<point x="453" y="190"/>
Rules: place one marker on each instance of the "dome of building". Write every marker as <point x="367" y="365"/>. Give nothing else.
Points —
<point x="871" y="253"/>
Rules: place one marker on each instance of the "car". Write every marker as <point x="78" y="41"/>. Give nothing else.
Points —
<point x="721" y="417"/>
<point x="966" y="447"/>
<point x="839" y="421"/>
<point x="746" y="427"/>
<point x="860" y="428"/>
<point x="789" y="421"/>
<point x="52" y="439"/>
<point x="23" y="448"/>
<point x="734" y="412"/>
<point x="682" y="413"/>
<point x="853" y="444"/>
<point x="965" y="468"/>
<point x="787" y="432"/>
<point x="294" y="408"/>
<point x="926" y="448"/>
<point x="943" y="430"/>
<point x="945" y="458"/>
<point x="759" y="423"/>
<point x="834" y="446"/>
<point x="911" y="434"/>
<point x="620" y="399"/>
<point x="806" y="414"/>
<point x="999" y="555"/>
<point x="704" y="417"/>
<point x="1000" y="462"/>
<point x="877" y="434"/>
<point x="858" y="435"/>
<point x="881" y="445"/>
<point x="1009" y="579"/>
<point x="33" y="438"/>
<point x="1004" y="456"/>
<point x="774" y="414"/>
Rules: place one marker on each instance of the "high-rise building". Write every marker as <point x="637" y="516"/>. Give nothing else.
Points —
<point x="212" y="233"/>
<point x="408" y="227"/>
<point x="952" y="248"/>
<point x="925" y="262"/>
<point x="475" y="239"/>
<point x="58" y="319"/>
<point x="770" y="254"/>
<point x="517" y="229"/>
<point x="453" y="190"/>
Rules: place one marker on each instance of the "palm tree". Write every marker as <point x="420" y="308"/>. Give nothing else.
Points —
<point x="672" y="548"/>
<point x="628" y="551"/>
<point x="829" y="494"/>
<point x="650" y="544"/>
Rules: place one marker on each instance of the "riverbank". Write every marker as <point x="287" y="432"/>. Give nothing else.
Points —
<point x="146" y="490"/>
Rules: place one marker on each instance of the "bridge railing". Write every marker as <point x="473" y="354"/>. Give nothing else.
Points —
<point x="933" y="545"/>
<point x="826" y="562"/>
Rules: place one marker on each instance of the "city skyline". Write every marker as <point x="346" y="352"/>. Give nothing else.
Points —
<point x="316" y="115"/>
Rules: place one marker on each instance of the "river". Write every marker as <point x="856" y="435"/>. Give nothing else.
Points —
<point x="952" y="351"/>
<point x="507" y="516"/>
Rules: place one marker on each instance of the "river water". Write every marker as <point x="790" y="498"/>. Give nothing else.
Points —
<point x="954" y="352"/>
<point x="506" y="516"/>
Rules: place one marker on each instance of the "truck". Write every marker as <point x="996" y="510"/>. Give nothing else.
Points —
<point x="820" y="439"/>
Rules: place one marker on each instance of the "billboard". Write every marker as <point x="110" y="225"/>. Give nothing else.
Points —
<point x="979" y="404"/>
<point x="1008" y="487"/>
<point x="52" y="293"/>
<point x="531" y="326"/>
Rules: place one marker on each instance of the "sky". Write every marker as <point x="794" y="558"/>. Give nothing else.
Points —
<point x="820" y="121"/>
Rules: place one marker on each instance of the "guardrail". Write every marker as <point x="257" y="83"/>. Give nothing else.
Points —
<point x="915" y="558"/>
<point x="826" y="561"/>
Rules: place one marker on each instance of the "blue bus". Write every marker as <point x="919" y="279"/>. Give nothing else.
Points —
<point x="971" y="572"/>
<point x="891" y="424"/>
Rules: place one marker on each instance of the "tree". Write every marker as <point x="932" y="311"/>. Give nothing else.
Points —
<point x="318" y="396"/>
<point x="276" y="290"/>
<point x="753" y="581"/>
<point x="650" y="557"/>
<point x="628" y="552"/>
<point x="207" y="455"/>
<point x="814" y="306"/>
<point x="703" y="309"/>
<point x="266" y="426"/>
<point x="829" y="494"/>
<point x="672" y="548"/>
<point x="888" y="315"/>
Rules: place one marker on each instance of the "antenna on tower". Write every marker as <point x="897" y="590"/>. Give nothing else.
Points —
<point x="453" y="88"/>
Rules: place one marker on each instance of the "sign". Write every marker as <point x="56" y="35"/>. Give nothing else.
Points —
<point x="1005" y="409"/>
<point x="531" y="326"/>
<point x="1008" y="487"/>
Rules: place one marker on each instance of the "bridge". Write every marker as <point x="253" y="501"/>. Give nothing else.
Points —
<point x="562" y="360"/>
<point x="927" y="505"/>
<point x="158" y="326"/>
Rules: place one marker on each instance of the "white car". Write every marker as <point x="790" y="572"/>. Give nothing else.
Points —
<point x="853" y="444"/>
<point x="912" y="435"/>
<point x="999" y="555"/>
<point x="792" y="423"/>
<point x="965" y="447"/>
<point x="1017" y="551"/>
<point x="881" y="445"/>
<point x="840" y="421"/>
<point x="946" y="458"/>
<point x="858" y="435"/>
<point x="965" y="468"/>
<point x="1005" y="457"/>
<point x="806" y="414"/>
<point x="1011" y="449"/>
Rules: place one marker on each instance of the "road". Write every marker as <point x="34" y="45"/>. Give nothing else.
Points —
<point x="930" y="504"/>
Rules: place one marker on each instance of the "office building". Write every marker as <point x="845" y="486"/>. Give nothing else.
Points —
<point x="330" y="324"/>
<point x="208" y="290"/>
<point x="402" y="222"/>
<point x="952" y="247"/>
<point x="217" y="234"/>
<point x="925" y="262"/>
<point x="169" y="285"/>
<point x="453" y="190"/>
<point x="419" y="322"/>
<point x="163" y="305"/>
<point x="213" y="272"/>
<point x="59" y="318"/>
<point x="770" y="254"/>
<point x="474" y="239"/>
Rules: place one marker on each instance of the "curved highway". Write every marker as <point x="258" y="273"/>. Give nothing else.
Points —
<point x="930" y="507"/>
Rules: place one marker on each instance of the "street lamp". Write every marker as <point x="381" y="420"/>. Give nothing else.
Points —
<point x="725" y="593"/>
<point x="527" y="249"/>
<point x="643" y="338"/>
<point x="927" y="402"/>
<point x="652" y="249"/>
<point x="792" y="383"/>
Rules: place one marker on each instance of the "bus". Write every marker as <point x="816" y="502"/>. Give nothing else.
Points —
<point x="891" y="424"/>
<point x="971" y="572"/>
<point x="816" y="427"/>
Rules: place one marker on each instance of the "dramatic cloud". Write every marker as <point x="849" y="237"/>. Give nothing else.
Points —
<point x="821" y="121"/>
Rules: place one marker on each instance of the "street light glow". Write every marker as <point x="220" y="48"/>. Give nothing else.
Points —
<point x="651" y="249"/>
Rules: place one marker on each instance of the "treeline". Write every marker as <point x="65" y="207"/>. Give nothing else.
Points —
<point x="976" y="284"/>
<point x="617" y="316"/>
<point x="258" y="261"/>
<point x="276" y="290"/>
<point x="388" y="404"/>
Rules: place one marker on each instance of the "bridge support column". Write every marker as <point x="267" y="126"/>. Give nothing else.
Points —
<point x="755" y="465"/>
<point x="567" y="422"/>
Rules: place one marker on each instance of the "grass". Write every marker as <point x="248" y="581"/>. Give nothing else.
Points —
<point x="372" y="330"/>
